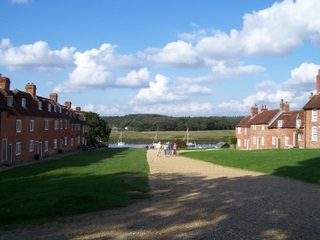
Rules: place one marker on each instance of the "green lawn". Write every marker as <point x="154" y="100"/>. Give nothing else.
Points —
<point x="85" y="182"/>
<point x="301" y="164"/>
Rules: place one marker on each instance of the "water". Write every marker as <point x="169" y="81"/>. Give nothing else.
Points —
<point x="114" y="145"/>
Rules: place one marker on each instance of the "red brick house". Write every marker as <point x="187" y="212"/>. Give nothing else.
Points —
<point x="36" y="127"/>
<point x="282" y="128"/>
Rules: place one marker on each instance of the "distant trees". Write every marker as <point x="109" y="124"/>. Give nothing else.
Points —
<point x="99" y="128"/>
<point x="153" y="122"/>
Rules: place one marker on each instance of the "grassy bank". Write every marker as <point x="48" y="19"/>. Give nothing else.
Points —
<point x="85" y="182"/>
<point x="194" y="136"/>
<point x="300" y="164"/>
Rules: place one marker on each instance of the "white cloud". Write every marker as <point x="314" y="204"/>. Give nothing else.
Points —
<point x="135" y="78"/>
<point x="35" y="56"/>
<point x="103" y="110"/>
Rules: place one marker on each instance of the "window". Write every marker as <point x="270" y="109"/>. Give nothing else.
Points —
<point x="18" y="148"/>
<point x="56" y="124"/>
<point x="254" y="140"/>
<point x="245" y="131"/>
<point x="49" y="107"/>
<point x="298" y="122"/>
<point x="279" y="123"/>
<point x="254" y="127"/>
<point x="60" y="109"/>
<point x="78" y="140"/>
<point x="286" y="141"/>
<point x="239" y="130"/>
<point x="10" y="101"/>
<point x="40" y="105"/>
<point x="239" y="142"/>
<point x="72" y="141"/>
<point x="23" y="102"/>
<point x="66" y="124"/>
<point x="46" y="146"/>
<point x="273" y="140"/>
<point x="18" y="126"/>
<point x="31" y="146"/>
<point x="55" y="144"/>
<point x="245" y="142"/>
<point x="314" y="115"/>
<point x="262" y="141"/>
<point x="46" y="124"/>
<point x="31" y="125"/>
<point x="262" y="127"/>
<point x="60" y="124"/>
<point x="55" y="108"/>
<point x="65" y="141"/>
<point x="314" y="133"/>
<point x="299" y="137"/>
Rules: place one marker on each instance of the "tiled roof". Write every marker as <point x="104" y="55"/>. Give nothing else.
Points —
<point x="32" y="106"/>
<point x="245" y="122"/>
<point x="314" y="102"/>
<point x="265" y="117"/>
<point x="289" y="119"/>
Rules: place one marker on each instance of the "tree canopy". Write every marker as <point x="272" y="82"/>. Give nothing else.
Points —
<point x="99" y="128"/>
<point x="153" y="122"/>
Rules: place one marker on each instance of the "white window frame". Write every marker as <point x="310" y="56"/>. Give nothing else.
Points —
<point x="262" y="127"/>
<point x="31" y="146"/>
<point x="31" y="125"/>
<point x="40" y="105"/>
<point x="46" y="124"/>
<point x="239" y="142"/>
<point x="286" y="141"/>
<point x="23" y="102"/>
<point x="18" y="126"/>
<point x="61" y="124"/>
<point x="56" y="124"/>
<point x="239" y="130"/>
<point x="18" y="148"/>
<point x="314" y="134"/>
<point x="262" y="141"/>
<point x="314" y="117"/>
<point x="254" y="140"/>
<point x="280" y="123"/>
<point x="65" y="141"/>
<point x="10" y="100"/>
<point x="273" y="139"/>
<point x="49" y="107"/>
<point x="245" y="131"/>
<point x="55" y="144"/>
<point x="299" y="137"/>
<point x="65" y="124"/>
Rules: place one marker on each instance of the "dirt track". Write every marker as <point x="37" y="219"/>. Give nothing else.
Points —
<point x="198" y="200"/>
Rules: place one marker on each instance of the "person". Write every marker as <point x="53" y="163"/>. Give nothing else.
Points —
<point x="174" y="148"/>
<point x="159" y="146"/>
<point x="165" y="149"/>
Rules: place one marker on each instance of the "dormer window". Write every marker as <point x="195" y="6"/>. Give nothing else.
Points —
<point x="298" y="122"/>
<point x="10" y="100"/>
<point x="60" y="109"/>
<point x="49" y="107"/>
<point x="23" y="102"/>
<point x="40" y="105"/>
<point x="55" y="108"/>
<point x="279" y="123"/>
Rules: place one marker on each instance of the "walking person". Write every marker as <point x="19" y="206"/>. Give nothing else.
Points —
<point x="159" y="146"/>
<point x="174" y="148"/>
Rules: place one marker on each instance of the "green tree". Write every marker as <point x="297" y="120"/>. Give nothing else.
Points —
<point x="99" y="130"/>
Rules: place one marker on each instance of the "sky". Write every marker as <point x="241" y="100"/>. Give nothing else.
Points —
<point x="169" y="57"/>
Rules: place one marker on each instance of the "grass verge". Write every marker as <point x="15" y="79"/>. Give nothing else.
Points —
<point x="300" y="164"/>
<point x="85" y="182"/>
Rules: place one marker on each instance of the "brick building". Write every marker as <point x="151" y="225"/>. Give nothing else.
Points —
<point x="282" y="128"/>
<point x="35" y="127"/>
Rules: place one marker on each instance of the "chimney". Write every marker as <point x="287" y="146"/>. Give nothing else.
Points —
<point x="254" y="110"/>
<point x="32" y="89"/>
<point x="263" y="108"/>
<point x="311" y="95"/>
<point x="287" y="107"/>
<point x="54" y="97"/>
<point x="67" y="104"/>
<point x="5" y="83"/>
<point x="318" y="83"/>
<point x="78" y="109"/>
<point x="282" y="104"/>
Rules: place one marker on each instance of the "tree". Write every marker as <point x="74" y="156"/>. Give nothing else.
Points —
<point x="99" y="130"/>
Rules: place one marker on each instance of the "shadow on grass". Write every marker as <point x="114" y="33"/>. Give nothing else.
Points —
<point x="196" y="207"/>
<point x="84" y="182"/>
<point x="307" y="170"/>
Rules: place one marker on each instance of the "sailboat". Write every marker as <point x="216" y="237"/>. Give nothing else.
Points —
<point x="188" y="144"/>
<point x="120" y="142"/>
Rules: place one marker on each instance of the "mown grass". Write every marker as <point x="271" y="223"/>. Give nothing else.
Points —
<point x="300" y="164"/>
<point x="194" y="136"/>
<point x="85" y="182"/>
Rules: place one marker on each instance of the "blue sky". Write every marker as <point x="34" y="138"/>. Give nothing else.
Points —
<point x="177" y="58"/>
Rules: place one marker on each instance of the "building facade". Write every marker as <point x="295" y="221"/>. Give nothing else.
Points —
<point x="282" y="128"/>
<point x="34" y="127"/>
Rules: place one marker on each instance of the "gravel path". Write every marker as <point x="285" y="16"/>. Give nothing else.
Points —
<point x="198" y="200"/>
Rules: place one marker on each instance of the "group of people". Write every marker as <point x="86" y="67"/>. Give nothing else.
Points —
<point x="168" y="149"/>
